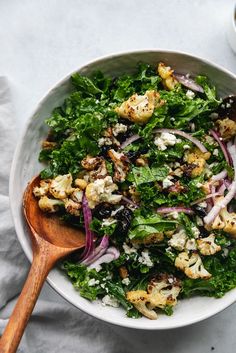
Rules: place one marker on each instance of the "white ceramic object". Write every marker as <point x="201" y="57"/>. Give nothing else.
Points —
<point x="25" y="166"/>
<point x="231" y="29"/>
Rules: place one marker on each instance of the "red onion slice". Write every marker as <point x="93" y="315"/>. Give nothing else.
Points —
<point x="89" y="246"/>
<point x="222" y="145"/>
<point x="111" y="255"/>
<point x="163" y="210"/>
<point x="196" y="142"/>
<point x="189" y="83"/>
<point x="232" y="190"/>
<point x="209" y="196"/>
<point x="98" y="251"/>
<point x="129" y="140"/>
<point x="220" y="176"/>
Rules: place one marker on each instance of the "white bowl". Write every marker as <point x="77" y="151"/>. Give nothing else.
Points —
<point x="25" y="166"/>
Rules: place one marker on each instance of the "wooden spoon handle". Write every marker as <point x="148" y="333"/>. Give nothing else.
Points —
<point x="43" y="260"/>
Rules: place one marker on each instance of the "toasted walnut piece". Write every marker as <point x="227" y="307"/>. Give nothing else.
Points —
<point x="48" y="145"/>
<point x="141" y="161"/>
<point x="123" y="272"/>
<point x="227" y="128"/>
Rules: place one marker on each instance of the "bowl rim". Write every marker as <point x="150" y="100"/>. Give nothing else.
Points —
<point x="13" y="171"/>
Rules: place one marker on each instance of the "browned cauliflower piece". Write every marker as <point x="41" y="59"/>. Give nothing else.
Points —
<point x="167" y="75"/>
<point x="121" y="164"/>
<point x="49" y="205"/>
<point x="153" y="238"/>
<point x="207" y="246"/>
<point x="225" y="221"/>
<point x="227" y="128"/>
<point x="72" y="207"/>
<point x="60" y="187"/>
<point x="42" y="189"/>
<point x="191" y="265"/>
<point x="198" y="160"/>
<point x="162" y="290"/>
<point x="96" y="167"/>
<point x="139" y="109"/>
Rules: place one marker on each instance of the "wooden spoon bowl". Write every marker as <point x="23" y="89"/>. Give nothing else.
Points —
<point x="51" y="240"/>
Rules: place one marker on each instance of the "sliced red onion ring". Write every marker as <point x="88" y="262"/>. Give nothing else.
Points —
<point x="209" y="196"/>
<point x="89" y="246"/>
<point x="189" y="83"/>
<point x="163" y="210"/>
<point x="220" y="176"/>
<point x="97" y="252"/>
<point x="130" y="202"/>
<point x="129" y="140"/>
<point x="111" y="254"/>
<point x="232" y="190"/>
<point x="196" y="142"/>
<point x="222" y="145"/>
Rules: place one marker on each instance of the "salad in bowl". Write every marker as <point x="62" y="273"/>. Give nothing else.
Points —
<point x="145" y="164"/>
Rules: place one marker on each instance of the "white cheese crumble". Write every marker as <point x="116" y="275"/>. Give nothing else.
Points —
<point x="92" y="282"/>
<point x="107" y="300"/>
<point x="190" y="94"/>
<point x="199" y="221"/>
<point x="128" y="249"/>
<point x="209" y="140"/>
<point x="186" y="147"/>
<point x="216" y="152"/>
<point x="195" y="231"/>
<point x="167" y="182"/>
<point x="108" y="221"/>
<point x="126" y="281"/>
<point x="104" y="141"/>
<point x="145" y="258"/>
<point x="191" y="245"/>
<point x="119" y="128"/>
<point x="164" y="140"/>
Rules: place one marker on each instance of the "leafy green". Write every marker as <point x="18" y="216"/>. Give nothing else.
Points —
<point x="145" y="174"/>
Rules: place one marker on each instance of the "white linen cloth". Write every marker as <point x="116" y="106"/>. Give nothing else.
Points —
<point x="58" y="327"/>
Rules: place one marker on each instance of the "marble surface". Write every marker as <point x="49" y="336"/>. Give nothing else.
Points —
<point x="41" y="41"/>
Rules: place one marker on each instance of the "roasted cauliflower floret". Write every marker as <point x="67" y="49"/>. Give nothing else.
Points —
<point x="227" y="128"/>
<point x="191" y="265"/>
<point x="152" y="238"/>
<point x="77" y="195"/>
<point x="225" y="221"/>
<point x="207" y="246"/>
<point x="60" y="187"/>
<point x="49" y="205"/>
<point x="81" y="183"/>
<point x="96" y="167"/>
<point x="140" y="299"/>
<point x="166" y="73"/>
<point x="101" y="191"/>
<point x="72" y="207"/>
<point x="42" y="189"/>
<point x="178" y="240"/>
<point x="162" y="290"/>
<point x="139" y="109"/>
<point x="121" y="164"/>
<point x="198" y="159"/>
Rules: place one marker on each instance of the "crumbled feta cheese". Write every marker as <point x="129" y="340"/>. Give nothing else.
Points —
<point x="216" y="152"/>
<point x="203" y="204"/>
<point x="108" y="221"/>
<point x="108" y="300"/>
<point x="209" y="140"/>
<point x="195" y="231"/>
<point x="178" y="240"/>
<point x="145" y="258"/>
<point x="126" y="281"/>
<point x="214" y="116"/>
<point x="186" y="147"/>
<point x="128" y="249"/>
<point x="104" y="141"/>
<point x="225" y="252"/>
<point x="164" y="140"/>
<point x="92" y="282"/>
<point x="190" y="94"/>
<point x="113" y="213"/>
<point x="191" y="245"/>
<point x="199" y="221"/>
<point x="173" y="215"/>
<point x="119" y="128"/>
<point x="167" y="182"/>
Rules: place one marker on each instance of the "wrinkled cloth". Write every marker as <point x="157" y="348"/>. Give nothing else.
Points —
<point x="58" y="327"/>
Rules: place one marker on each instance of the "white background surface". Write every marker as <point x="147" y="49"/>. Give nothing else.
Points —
<point x="41" y="41"/>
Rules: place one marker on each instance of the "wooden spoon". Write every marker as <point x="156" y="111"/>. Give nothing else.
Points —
<point x="51" y="241"/>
